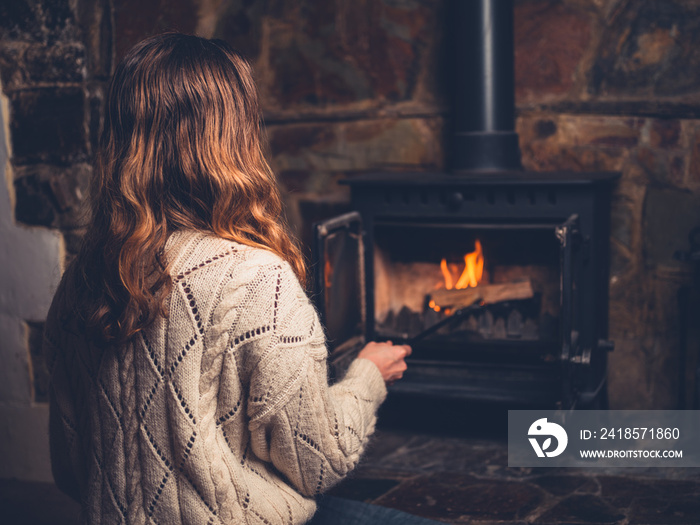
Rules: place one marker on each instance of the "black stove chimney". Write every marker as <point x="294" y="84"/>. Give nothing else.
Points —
<point x="484" y="99"/>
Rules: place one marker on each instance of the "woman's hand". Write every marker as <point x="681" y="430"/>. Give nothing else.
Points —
<point x="388" y="358"/>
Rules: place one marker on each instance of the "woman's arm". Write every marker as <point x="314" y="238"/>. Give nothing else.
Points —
<point x="318" y="436"/>
<point x="312" y="433"/>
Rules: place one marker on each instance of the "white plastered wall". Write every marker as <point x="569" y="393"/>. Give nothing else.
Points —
<point x="30" y="268"/>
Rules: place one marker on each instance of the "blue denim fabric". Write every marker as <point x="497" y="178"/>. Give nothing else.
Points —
<point x="340" y="511"/>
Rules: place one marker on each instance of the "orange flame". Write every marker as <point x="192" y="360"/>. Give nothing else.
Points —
<point x="432" y="305"/>
<point x="472" y="273"/>
<point x="328" y="274"/>
<point x="446" y="274"/>
<point x="473" y="268"/>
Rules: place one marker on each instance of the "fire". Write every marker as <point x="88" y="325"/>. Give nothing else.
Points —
<point x="328" y="274"/>
<point x="473" y="268"/>
<point x="472" y="273"/>
<point x="470" y="277"/>
<point x="446" y="274"/>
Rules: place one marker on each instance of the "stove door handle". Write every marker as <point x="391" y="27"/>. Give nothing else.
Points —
<point x="455" y="200"/>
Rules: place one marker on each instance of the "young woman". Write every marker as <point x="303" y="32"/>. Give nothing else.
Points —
<point x="188" y="366"/>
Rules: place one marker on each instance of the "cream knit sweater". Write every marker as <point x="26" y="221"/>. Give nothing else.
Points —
<point x="220" y="413"/>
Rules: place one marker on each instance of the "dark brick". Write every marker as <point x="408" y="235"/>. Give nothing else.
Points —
<point x="694" y="162"/>
<point x="325" y="53"/>
<point x="620" y="264"/>
<point x="648" y="49"/>
<point x="34" y="205"/>
<point x="550" y="41"/>
<point x="294" y="181"/>
<point x="669" y="215"/>
<point x="659" y="166"/>
<point x="676" y="169"/>
<point x="240" y="25"/>
<point x="583" y="508"/>
<point x="43" y="21"/>
<point x="357" y="145"/>
<point x="383" y="444"/>
<point x="665" y="511"/>
<point x="545" y="128"/>
<point x="58" y="19"/>
<point x="59" y="63"/>
<point x="623" y="491"/>
<point x="665" y="133"/>
<point x="67" y="188"/>
<point x="622" y="222"/>
<point x="292" y="140"/>
<point x="363" y="489"/>
<point x="17" y="19"/>
<point x="96" y="102"/>
<point x="95" y="21"/>
<point x="51" y="195"/>
<point x="11" y="73"/>
<point x="135" y="20"/>
<point x="48" y="125"/>
<point x="588" y="143"/>
<point x="23" y="65"/>
<point x="565" y="485"/>
<point x="423" y="455"/>
<point x="456" y="496"/>
<point x="295" y="78"/>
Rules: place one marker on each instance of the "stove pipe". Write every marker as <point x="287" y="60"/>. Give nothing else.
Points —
<point x="484" y="100"/>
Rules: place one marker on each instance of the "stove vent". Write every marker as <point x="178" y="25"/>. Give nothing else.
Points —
<point x="484" y="137"/>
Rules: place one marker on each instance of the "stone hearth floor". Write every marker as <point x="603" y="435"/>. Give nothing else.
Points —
<point x="458" y="480"/>
<point x="449" y="463"/>
<point x="457" y="473"/>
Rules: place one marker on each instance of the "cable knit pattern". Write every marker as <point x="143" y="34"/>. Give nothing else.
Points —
<point x="220" y="413"/>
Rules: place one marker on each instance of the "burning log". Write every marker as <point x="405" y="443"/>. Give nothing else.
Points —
<point x="488" y="293"/>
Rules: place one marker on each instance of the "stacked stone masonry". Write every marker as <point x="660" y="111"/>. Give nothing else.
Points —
<point x="349" y="87"/>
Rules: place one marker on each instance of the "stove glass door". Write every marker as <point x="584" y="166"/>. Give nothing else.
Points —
<point x="339" y="284"/>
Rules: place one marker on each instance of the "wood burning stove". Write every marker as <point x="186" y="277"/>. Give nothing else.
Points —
<point x="379" y="267"/>
<point x="512" y="266"/>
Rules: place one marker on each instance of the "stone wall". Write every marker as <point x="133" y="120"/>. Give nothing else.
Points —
<point x="52" y="72"/>
<point x="355" y="86"/>
<point x="621" y="92"/>
<point x="600" y="85"/>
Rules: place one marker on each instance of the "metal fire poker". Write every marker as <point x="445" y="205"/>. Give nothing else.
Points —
<point x="459" y="314"/>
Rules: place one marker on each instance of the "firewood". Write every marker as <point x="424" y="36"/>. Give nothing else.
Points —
<point x="487" y="293"/>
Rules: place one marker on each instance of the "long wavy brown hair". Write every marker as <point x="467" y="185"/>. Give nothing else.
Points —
<point x="182" y="148"/>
